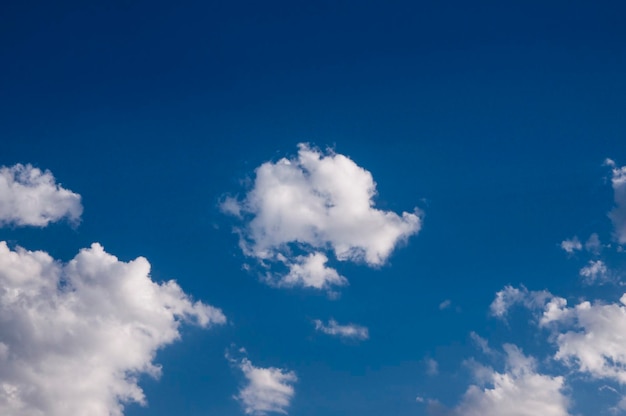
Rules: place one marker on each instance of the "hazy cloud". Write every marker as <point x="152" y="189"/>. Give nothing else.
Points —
<point x="348" y="331"/>
<point x="618" y="214"/>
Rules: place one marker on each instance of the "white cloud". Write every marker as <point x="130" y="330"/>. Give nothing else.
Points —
<point x="75" y="337"/>
<point x="267" y="389"/>
<point x="594" y="272"/>
<point x="317" y="203"/>
<point x="310" y="271"/>
<point x="348" y="331"/>
<point x="592" y="340"/>
<point x="510" y="296"/>
<point x="571" y="245"/>
<point x="519" y="391"/>
<point x="618" y="214"/>
<point x="29" y="196"/>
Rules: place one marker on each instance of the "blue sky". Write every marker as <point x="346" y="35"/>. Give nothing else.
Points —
<point x="489" y="124"/>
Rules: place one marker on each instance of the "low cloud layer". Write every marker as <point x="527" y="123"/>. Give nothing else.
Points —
<point x="302" y="209"/>
<point x="76" y="336"/>
<point x="29" y="196"/>
<point x="267" y="390"/>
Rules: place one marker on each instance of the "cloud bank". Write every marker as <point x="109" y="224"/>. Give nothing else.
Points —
<point x="29" y="196"/>
<point x="76" y="336"/>
<point x="300" y="210"/>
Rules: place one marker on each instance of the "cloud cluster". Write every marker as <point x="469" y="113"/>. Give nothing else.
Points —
<point x="266" y="389"/>
<point x="519" y="391"/>
<point x="76" y="336"/>
<point x="29" y="196"/>
<point x="302" y="208"/>
<point x="590" y="337"/>
<point x="348" y="331"/>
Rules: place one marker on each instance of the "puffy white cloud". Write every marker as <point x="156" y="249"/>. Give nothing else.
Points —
<point x="348" y="331"/>
<point x="571" y="245"/>
<point x="266" y="390"/>
<point x="29" y="196"/>
<point x="75" y="337"/>
<point x="309" y="271"/>
<point x="317" y="203"/>
<point x="510" y="296"/>
<point x="590" y="337"/>
<point x="519" y="391"/>
<point x="594" y="272"/>
<point x="618" y="214"/>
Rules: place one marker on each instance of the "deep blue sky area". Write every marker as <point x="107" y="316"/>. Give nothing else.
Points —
<point x="493" y="118"/>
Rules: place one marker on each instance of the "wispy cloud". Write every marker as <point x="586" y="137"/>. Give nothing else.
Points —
<point x="348" y="331"/>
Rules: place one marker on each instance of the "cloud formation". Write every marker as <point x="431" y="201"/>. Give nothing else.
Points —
<point x="590" y="337"/>
<point x="348" y="331"/>
<point x="519" y="391"/>
<point x="29" y="196"/>
<point x="618" y="214"/>
<point x="315" y="204"/>
<point x="266" y="390"/>
<point x="76" y="336"/>
<point x="510" y="296"/>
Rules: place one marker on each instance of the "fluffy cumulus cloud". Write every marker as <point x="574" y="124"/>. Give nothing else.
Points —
<point x="618" y="214"/>
<point x="347" y="331"/>
<point x="30" y="196"/>
<point x="518" y="391"/>
<point x="590" y="337"/>
<point x="266" y="390"/>
<point x="313" y="205"/>
<point x="75" y="337"/>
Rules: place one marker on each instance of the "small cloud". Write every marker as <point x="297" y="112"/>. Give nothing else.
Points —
<point x="348" y="331"/>
<point x="230" y="206"/>
<point x="481" y="343"/>
<point x="594" y="272"/>
<point x="571" y="245"/>
<point x="267" y="390"/>
<point x="432" y="367"/>
<point x="593" y="244"/>
<point x="31" y="197"/>
<point x="445" y="304"/>
<point x="510" y="296"/>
